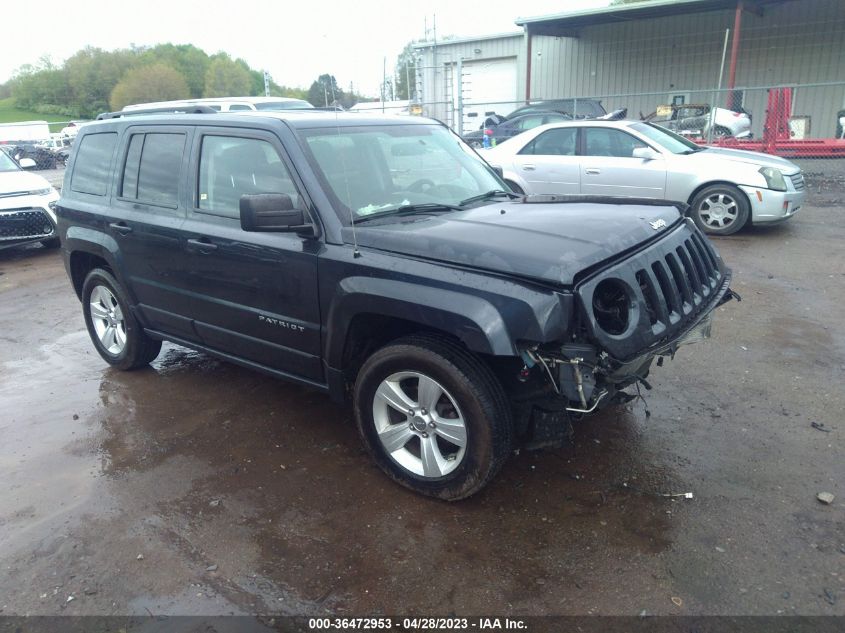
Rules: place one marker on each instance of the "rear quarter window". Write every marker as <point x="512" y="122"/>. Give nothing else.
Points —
<point x="92" y="167"/>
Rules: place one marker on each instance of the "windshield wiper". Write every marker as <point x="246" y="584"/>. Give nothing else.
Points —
<point x="410" y="209"/>
<point x="487" y="195"/>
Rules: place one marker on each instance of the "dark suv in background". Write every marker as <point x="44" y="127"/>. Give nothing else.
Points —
<point x="575" y="108"/>
<point x="382" y="258"/>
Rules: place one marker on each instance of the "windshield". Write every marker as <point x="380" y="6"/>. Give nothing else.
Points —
<point x="385" y="168"/>
<point x="6" y="163"/>
<point x="294" y="104"/>
<point x="675" y="143"/>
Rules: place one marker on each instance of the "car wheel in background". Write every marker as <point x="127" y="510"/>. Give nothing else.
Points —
<point x="116" y="334"/>
<point x="720" y="209"/>
<point x="721" y="132"/>
<point x="433" y="416"/>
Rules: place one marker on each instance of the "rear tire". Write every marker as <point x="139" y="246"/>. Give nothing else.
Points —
<point x="433" y="417"/>
<point x="116" y="334"/>
<point x="720" y="209"/>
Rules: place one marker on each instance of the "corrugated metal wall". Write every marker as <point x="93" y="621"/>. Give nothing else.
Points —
<point x="797" y="42"/>
<point x="438" y="67"/>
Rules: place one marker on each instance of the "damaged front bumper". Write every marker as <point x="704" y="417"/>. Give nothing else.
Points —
<point x="642" y="308"/>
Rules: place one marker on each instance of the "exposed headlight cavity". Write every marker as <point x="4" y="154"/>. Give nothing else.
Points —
<point x="774" y="178"/>
<point x="612" y="306"/>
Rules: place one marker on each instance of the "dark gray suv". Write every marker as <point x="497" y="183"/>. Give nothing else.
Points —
<point x="381" y="259"/>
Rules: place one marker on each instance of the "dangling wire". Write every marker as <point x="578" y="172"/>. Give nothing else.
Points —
<point x="645" y="404"/>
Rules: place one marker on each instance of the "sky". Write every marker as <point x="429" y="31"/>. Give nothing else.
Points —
<point x="295" y="40"/>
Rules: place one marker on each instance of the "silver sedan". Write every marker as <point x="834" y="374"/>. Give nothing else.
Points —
<point x="725" y="188"/>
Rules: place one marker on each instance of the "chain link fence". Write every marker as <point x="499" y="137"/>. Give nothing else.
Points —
<point x="666" y="64"/>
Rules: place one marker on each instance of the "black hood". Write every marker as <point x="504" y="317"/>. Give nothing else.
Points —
<point x="551" y="242"/>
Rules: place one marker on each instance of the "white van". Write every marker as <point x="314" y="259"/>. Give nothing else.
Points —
<point x="231" y="104"/>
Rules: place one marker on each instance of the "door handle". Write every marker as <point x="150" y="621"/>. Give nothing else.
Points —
<point x="592" y="170"/>
<point x="121" y="228"/>
<point x="203" y="245"/>
<point x="529" y="167"/>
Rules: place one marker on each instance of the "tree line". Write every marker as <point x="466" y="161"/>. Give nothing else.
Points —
<point x="94" y="80"/>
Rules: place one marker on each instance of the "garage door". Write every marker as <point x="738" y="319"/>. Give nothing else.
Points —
<point x="485" y="85"/>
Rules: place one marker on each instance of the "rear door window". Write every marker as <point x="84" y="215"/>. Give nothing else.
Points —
<point x="92" y="167"/>
<point x="151" y="173"/>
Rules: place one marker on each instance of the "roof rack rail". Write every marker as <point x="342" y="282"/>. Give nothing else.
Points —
<point x="194" y="109"/>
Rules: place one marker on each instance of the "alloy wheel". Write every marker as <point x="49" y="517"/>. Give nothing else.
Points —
<point x="108" y="321"/>
<point x="718" y="211"/>
<point x="419" y="424"/>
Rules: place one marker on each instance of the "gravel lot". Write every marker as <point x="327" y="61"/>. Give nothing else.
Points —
<point x="197" y="487"/>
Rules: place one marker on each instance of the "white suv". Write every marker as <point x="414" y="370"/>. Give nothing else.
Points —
<point x="231" y="104"/>
<point x="27" y="205"/>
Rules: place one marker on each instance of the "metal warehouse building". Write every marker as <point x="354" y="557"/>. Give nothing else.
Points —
<point x="647" y="54"/>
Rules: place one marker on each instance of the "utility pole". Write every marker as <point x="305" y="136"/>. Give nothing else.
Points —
<point x="383" y="81"/>
<point x="266" y="84"/>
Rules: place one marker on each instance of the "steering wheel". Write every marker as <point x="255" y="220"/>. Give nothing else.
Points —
<point x="421" y="186"/>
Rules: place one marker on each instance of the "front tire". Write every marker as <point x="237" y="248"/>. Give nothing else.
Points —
<point x="720" y="209"/>
<point x="116" y="334"/>
<point x="433" y="417"/>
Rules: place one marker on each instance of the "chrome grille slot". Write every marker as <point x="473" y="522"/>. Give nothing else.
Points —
<point x="798" y="181"/>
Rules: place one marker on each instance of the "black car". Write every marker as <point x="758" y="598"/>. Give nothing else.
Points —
<point x="576" y="108"/>
<point x="508" y="128"/>
<point x="379" y="259"/>
<point x="43" y="157"/>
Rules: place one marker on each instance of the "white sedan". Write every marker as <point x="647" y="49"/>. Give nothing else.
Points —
<point x="725" y="188"/>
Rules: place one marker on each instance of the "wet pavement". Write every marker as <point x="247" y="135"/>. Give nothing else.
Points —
<point x="197" y="487"/>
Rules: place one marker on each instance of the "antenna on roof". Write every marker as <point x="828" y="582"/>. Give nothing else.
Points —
<point x="355" y="252"/>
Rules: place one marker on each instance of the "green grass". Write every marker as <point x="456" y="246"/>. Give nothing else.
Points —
<point x="10" y="114"/>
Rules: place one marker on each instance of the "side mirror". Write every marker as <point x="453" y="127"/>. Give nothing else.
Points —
<point x="646" y="153"/>
<point x="26" y="163"/>
<point x="272" y="213"/>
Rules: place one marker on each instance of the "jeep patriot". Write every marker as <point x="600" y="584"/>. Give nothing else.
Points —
<point x="379" y="259"/>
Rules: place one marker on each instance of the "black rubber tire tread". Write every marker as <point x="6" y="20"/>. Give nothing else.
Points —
<point x="140" y="349"/>
<point x="477" y="378"/>
<point x="742" y="217"/>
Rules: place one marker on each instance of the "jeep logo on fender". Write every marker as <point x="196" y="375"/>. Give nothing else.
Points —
<point x="658" y="224"/>
<point x="280" y="323"/>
